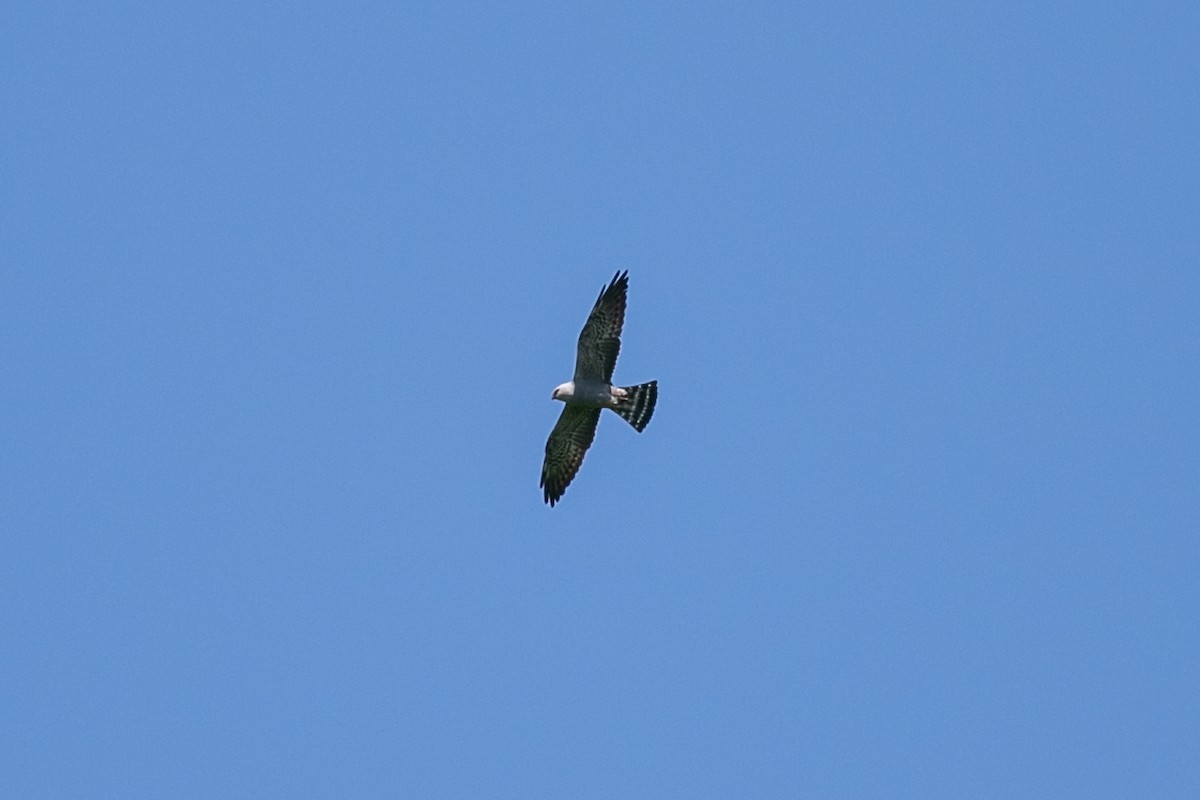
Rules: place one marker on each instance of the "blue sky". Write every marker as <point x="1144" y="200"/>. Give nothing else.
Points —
<point x="285" y="289"/>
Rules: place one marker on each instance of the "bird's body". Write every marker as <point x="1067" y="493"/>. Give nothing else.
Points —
<point x="591" y="391"/>
<point x="595" y="394"/>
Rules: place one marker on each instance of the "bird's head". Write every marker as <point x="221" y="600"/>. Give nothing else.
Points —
<point x="564" y="391"/>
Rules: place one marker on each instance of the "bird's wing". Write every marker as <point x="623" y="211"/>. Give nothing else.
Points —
<point x="569" y="440"/>
<point x="600" y="339"/>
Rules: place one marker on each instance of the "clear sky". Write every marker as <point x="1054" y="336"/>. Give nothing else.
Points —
<point x="285" y="289"/>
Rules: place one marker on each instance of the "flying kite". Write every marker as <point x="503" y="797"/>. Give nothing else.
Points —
<point x="591" y="391"/>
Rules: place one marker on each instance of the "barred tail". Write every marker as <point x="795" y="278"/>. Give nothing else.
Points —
<point x="638" y="404"/>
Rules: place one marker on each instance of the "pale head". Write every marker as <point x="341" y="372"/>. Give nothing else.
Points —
<point x="564" y="391"/>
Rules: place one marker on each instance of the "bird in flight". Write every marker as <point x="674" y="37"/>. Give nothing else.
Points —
<point x="591" y="391"/>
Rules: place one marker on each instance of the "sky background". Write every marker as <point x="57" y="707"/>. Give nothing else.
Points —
<point x="284" y="291"/>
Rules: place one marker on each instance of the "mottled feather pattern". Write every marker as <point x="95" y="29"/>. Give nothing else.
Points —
<point x="565" y="448"/>
<point x="600" y="340"/>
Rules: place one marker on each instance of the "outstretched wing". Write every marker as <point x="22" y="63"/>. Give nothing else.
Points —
<point x="569" y="440"/>
<point x="600" y="339"/>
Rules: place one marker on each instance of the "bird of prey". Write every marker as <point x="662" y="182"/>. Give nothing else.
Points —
<point x="591" y="391"/>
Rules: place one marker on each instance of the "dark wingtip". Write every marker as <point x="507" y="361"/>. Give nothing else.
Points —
<point x="620" y="282"/>
<point x="548" y="494"/>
